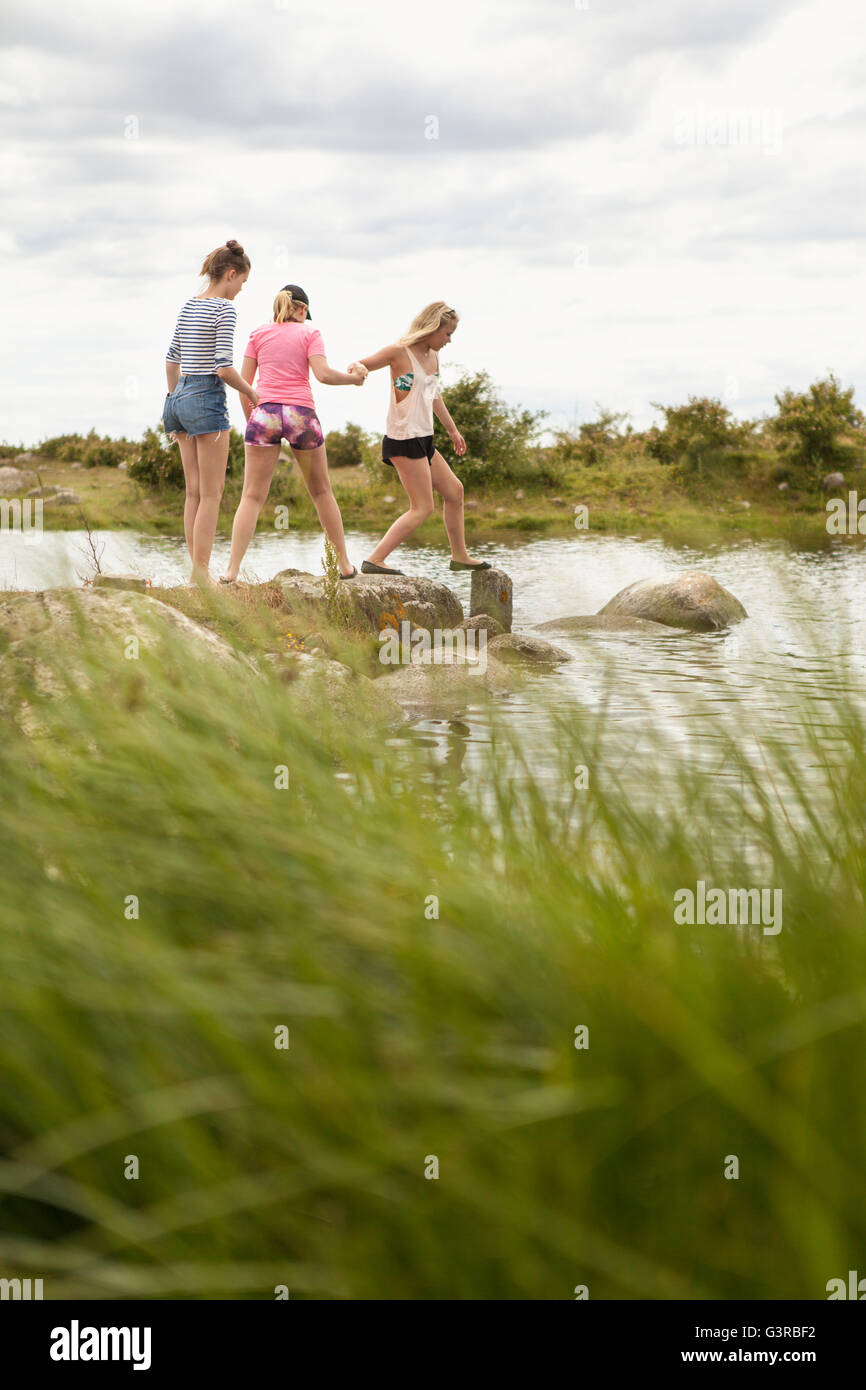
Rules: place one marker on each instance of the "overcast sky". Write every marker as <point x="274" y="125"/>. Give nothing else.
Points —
<point x="626" y="202"/>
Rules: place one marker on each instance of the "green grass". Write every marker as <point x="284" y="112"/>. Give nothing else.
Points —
<point x="630" y="494"/>
<point x="413" y="1036"/>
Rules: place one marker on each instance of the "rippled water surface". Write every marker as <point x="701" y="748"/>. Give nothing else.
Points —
<point x="806" y="631"/>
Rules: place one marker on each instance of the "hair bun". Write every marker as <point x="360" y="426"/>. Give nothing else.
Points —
<point x="234" y="246"/>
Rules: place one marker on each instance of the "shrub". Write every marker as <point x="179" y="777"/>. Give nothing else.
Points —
<point x="65" y="448"/>
<point x="700" y="435"/>
<point x="594" y="441"/>
<point x="105" y="453"/>
<point x="810" y="427"/>
<point x="158" y="463"/>
<point x="498" y="437"/>
<point x="349" y="447"/>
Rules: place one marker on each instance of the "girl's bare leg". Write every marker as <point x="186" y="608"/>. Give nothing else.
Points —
<point x="313" y="464"/>
<point x="213" y="452"/>
<point x="260" y="460"/>
<point x="189" y="460"/>
<point x="450" y="489"/>
<point x="414" y="474"/>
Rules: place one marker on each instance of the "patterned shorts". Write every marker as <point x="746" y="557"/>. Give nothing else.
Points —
<point x="297" y="424"/>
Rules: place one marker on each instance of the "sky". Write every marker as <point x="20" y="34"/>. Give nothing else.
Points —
<point x="626" y="203"/>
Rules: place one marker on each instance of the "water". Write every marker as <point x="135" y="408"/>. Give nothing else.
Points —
<point x="806" y="633"/>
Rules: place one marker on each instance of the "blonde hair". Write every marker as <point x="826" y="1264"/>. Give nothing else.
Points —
<point x="286" y="309"/>
<point x="428" y="321"/>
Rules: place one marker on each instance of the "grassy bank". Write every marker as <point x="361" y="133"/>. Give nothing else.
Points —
<point x="431" y="940"/>
<point x="630" y="494"/>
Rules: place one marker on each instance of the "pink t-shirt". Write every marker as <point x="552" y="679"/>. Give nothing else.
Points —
<point x="283" y="351"/>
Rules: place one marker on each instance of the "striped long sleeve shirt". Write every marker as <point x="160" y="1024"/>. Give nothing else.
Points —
<point x="204" y="336"/>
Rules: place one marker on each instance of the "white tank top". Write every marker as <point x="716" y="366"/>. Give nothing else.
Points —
<point x="412" y="417"/>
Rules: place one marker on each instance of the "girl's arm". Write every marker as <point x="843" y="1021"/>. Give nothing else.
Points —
<point x="248" y="372"/>
<point x="240" y="383"/>
<point x="384" y="358"/>
<point x="172" y="374"/>
<point x="329" y="376"/>
<point x="440" y="410"/>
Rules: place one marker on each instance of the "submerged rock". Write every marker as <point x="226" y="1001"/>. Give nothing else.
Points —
<point x="121" y="581"/>
<point x="691" y="600"/>
<point x="601" y="622"/>
<point x="521" y="647"/>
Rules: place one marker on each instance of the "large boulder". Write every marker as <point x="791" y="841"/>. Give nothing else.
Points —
<point x="378" y="600"/>
<point x="29" y="620"/>
<point x="15" y="480"/>
<point x="690" y="599"/>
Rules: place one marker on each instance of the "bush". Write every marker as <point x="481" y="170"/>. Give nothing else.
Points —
<point x="158" y="463"/>
<point x="65" y="448"/>
<point x="594" y="441"/>
<point x="810" y="427"/>
<point x="158" y="460"/>
<point x="498" y="438"/>
<point x="700" y="435"/>
<point x="105" y="453"/>
<point x="349" y="447"/>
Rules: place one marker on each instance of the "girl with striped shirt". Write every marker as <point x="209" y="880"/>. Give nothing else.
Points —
<point x="198" y="367"/>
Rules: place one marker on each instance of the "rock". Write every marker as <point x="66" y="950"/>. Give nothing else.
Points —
<point x="519" y="495"/>
<point x="492" y="593"/>
<point x="14" y="480"/>
<point x="47" y="491"/>
<point x="499" y="510"/>
<point x="121" y="581"/>
<point x="378" y="600"/>
<point x="783" y="487"/>
<point x="520" y="647"/>
<point x="316" y="681"/>
<point x="446" y="687"/>
<point x="482" y="622"/>
<point x="690" y="599"/>
<point x="389" y="499"/>
<point x="599" y="622"/>
<point x="470" y="504"/>
<point x="32" y="622"/>
<point x="63" y="498"/>
<point x="558" y="502"/>
<point x="834" y="480"/>
<point x="26" y="456"/>
<point x="741" y="502"/>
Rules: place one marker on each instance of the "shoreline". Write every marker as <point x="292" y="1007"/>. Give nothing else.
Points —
<point x="636" y="501"/>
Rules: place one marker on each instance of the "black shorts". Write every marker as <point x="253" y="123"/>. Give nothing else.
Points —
<point x="422" y="447"/>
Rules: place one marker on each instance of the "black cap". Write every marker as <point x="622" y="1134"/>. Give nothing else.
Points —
<point x="297" y="293"/>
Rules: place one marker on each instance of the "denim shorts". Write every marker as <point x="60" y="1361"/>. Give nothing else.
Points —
<point x="197" y="405"/>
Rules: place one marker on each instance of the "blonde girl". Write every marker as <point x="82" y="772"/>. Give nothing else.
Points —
<point x="198" y="368"/>
<point x="413" y="366"/>
<point x="283" y="352"/>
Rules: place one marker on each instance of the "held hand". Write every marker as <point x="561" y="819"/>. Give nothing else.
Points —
<point x="354" y="368"/>
<point x="253" y="396"/>
<point x="459" y="442"/>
